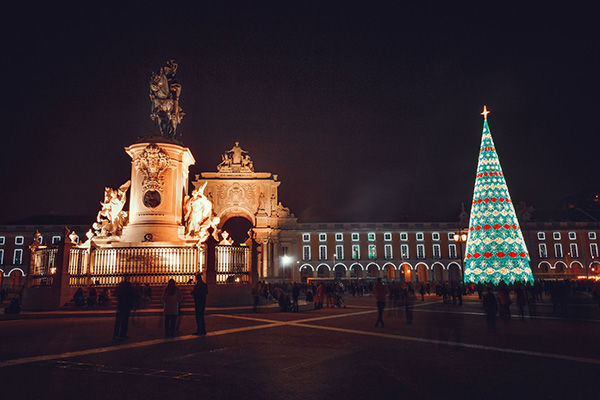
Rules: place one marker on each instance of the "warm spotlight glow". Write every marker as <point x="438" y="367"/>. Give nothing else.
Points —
<point x="286" y="260"/>
<point x="455" y="239"/>
<point x="52" y="271"/>
<point x="463" y="237"/>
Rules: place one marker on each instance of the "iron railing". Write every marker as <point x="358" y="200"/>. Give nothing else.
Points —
<point x="232" y="264"/>
<point x="43" y="268"/>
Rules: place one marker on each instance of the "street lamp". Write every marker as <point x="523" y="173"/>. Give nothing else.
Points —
<point x="460" y="237"/>
<point x="285" y="262"/>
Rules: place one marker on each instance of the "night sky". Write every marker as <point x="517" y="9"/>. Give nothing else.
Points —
<point x="365" y="114"/>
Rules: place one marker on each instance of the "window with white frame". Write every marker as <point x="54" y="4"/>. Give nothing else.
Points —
<point x="558" y="253"/>
<point x="404" y="236"/>
<point x="435" y="236"/>
<point x="452" y="251"/>
<point x="572" y="236"/>
<point x="18" y="257"/>
<point x="339" y="252"/>
<point x="592" y="235"/>
<point x="2" y="256"/>
<point x="404" y="251"/>
<point x="371" y="236"/>
<point x="306" y="237"/>
<point x="594" y="250"/>
<point x="3" y="239"/>
<point x="420" y="236"/>
<point x="420" y="251"/>
<point x="339" y="237"/>
<point x="451" y="236"/>
<point x="372" y="251"/>
<point x="543" y="250"/>
<point x="387" y="236"/>
<point x="541" y="235"/>
<point x="574" y="250"/>
<point x="19" y="240"/>
<point x="322" y="252"/>
<point x="355" y="252"/>
<point x="436" y="251"/>
<point x="40" y="239"/>
<point x="355" y="237"/>
<point x="388" y="252"/>
<point x="306" y="252"/>
<point x="55" y="239"/>
<point x="322" y="237"/>
<point x="556" y="235"/>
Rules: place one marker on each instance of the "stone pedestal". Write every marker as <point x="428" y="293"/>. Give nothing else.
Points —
<point x="159" y="182"/>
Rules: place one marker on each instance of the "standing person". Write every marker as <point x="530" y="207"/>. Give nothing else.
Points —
<point x="521" y="300"/>
<point x="199" y="292"/>
<point x="171" y="299"/>
<point x="125" y="301"/>
<point x="408" y="306"/>
<point x="379" y="291"/>
<point x="491" y="307"/>
<point x="422" y="292"/>
<point x="295" y="295"/>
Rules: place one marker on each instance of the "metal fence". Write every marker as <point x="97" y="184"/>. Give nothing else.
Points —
<point x="232" y="264"/>
<point x="44" y="267"/>
<point x="151" y="265"/>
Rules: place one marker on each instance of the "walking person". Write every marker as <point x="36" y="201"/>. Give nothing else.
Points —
<point x="171" y="299"/>
<point x="125" y="301"/>
<point x="199" y="293"/>
<point x="379" y="291"/>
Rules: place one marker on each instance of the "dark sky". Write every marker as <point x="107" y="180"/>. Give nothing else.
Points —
<point x="366" y="114"/>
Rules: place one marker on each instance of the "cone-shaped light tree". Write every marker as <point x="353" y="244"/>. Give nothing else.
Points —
<point x="495" y="249"/>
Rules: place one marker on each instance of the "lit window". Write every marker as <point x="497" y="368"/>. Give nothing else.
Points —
<point x="1" y="256"/>
<point x="322" y="237"/>
<point x="2" y="239"/>
<point x="543" y="250"/>
<point x="55" y="239"/>
<point x="420" y="236"/>
<point x="594" y="250"/>
<point x="541" y="235"/>
<point x="19" y="240"/>
<point x="574" y="250"/>
<point x="372" y="251"/>
<point x="452" y="251"/>
<point x="404" y="251"/>
<point x="387" y="236"/>
<point x="355" y="252"/>
<point x="18" y="257"/>
<point x="592" y="235"/>
<point x="556" y="235"/>
<point x="322" y="252"/>
<point x="558" y="250"/>
<point x="404" y="236"/>
<point x="387" y="249"/>
<point x="339" y="252"/>
<point x="572" y="236"/>
<point x="306" y="252"/>
<point x="435" y="236"/>
<point x="306" y="237"/>
<point x="451" y="236"/>
<point x="371" y="237"/>
<point x="436" y="251"/>
<point x="420" y="251"/>
<point x="355" y="237"/>
<point x="339" y="237"/>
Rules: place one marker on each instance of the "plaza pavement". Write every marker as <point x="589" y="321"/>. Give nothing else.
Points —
<point x="447" y="352"/>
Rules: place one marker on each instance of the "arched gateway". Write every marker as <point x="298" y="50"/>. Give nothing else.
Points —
<point x="239" y="193"/>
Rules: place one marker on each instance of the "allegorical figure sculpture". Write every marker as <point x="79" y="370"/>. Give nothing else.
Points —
<point x="111" y="218"/>
<point x="198" y="216"/>
<point x="236" y="160"/>
<point x="164" y="96"/>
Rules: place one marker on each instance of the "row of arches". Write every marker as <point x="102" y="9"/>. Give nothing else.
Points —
<point x="575" y="267"/>
<point x="13" y="279"/>
<point x="420" y="272"/>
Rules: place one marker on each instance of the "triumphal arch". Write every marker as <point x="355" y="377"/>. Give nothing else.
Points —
<point x="236" y="191"/>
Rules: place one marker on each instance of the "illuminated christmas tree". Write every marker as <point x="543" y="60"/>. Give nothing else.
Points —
<point x="495" y="249"/>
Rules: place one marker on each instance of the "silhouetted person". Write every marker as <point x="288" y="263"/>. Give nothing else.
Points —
<point x="408" y="305"/>
<point x="379" y="292"/>
<point x="295" y="295"/>
<point x="491" y="307"/>
<point x="199" y="293"/>
<point x="125" y="301"/>
<point x="92" y="297"/>
<point x="171" y="299"/>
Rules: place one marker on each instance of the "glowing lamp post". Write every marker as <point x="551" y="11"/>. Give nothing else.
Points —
<point x="460" y="237"/>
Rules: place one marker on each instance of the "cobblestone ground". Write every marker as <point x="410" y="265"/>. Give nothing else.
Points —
<point x="447" y="352"/>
